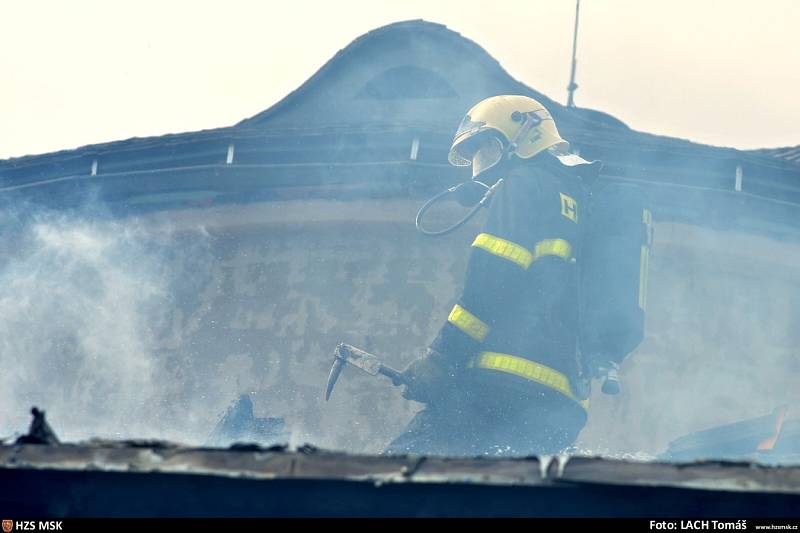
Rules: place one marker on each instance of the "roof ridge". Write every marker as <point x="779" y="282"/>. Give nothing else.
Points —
<point x="353" y="46"/>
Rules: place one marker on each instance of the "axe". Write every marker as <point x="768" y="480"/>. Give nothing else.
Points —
<point x="369" y="363"/>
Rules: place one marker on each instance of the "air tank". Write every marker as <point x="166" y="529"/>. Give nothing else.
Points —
<point x="616" y="252"/>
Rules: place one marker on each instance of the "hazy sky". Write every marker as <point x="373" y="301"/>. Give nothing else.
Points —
<point x="82" y="72"/>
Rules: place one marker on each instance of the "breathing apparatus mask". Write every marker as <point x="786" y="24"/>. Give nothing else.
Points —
<point x="495" y="132"/>
<point x="486" y="153"/>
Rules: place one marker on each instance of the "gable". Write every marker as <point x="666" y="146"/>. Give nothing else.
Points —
<point x="407" y="81"/>
<point x="407" y="74"/>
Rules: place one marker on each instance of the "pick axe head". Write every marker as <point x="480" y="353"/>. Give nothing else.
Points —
<point x="346" y="354"/>
<point x="336" y="369"/>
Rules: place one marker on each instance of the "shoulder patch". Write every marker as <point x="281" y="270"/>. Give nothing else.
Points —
<point x="569" y="207"/>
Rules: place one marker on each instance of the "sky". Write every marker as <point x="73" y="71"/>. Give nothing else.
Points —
<point x="81" y="72"/>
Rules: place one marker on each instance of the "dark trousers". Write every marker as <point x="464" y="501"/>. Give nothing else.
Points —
<point x="493" y="431"/>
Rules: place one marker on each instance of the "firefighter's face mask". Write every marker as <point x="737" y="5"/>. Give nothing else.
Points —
<point x="488" y="155"/>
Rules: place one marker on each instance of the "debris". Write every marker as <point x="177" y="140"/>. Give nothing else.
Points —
<point x="40" y="431"/>
<point x="239" y="425"/>
<point x="731" y="441"/>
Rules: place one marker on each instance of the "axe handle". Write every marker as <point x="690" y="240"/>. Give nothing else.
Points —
<point x="394" y="375"/>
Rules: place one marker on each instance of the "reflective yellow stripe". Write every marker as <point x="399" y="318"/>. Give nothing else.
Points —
<point x="521" y="255"/>
<point x="527" y="369"/>
<point x="505" y="249"/>
<point x="557" y="247"/>
<point x="468" y="323"/>
<point x="647" y="218"/>
<point x="644" y="258"/>
<point x="644" y="261"/>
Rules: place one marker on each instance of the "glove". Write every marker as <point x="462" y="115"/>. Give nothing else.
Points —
<point x="595" y="364"/>
<point x="606" y="369"/>
<point x="429" y="378"/>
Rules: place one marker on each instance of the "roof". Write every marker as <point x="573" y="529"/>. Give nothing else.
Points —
<point x="403" y="85"/>
<point x="788" y="153"/>
<point x="417" y="42"/>
<point x="146" y="478"/>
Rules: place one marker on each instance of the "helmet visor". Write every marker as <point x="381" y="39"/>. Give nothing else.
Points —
<point x="488" y="155"/>
<point x="467" y="130"/>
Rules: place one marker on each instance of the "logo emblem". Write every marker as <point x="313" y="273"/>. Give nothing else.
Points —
<point x="569" y="207"/>
<point x="8" y="525"/>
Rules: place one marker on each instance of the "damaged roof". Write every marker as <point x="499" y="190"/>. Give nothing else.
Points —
<point x="141" y="478"/>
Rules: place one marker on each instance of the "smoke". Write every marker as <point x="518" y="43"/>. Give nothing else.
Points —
<point x="123" y="327"/>
<point x="720" y="342"/>
<point x="85" y="302"/>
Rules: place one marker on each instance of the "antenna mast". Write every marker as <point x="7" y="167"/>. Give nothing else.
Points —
<point x="572" y="85"/>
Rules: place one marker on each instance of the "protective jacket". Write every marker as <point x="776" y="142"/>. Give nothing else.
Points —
<point x="510" y="343"/>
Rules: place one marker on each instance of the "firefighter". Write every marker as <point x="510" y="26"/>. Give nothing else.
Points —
<point x="504" y="375"/>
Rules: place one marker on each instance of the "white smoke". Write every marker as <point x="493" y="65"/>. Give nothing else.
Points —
<point x="82" y="300"/>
